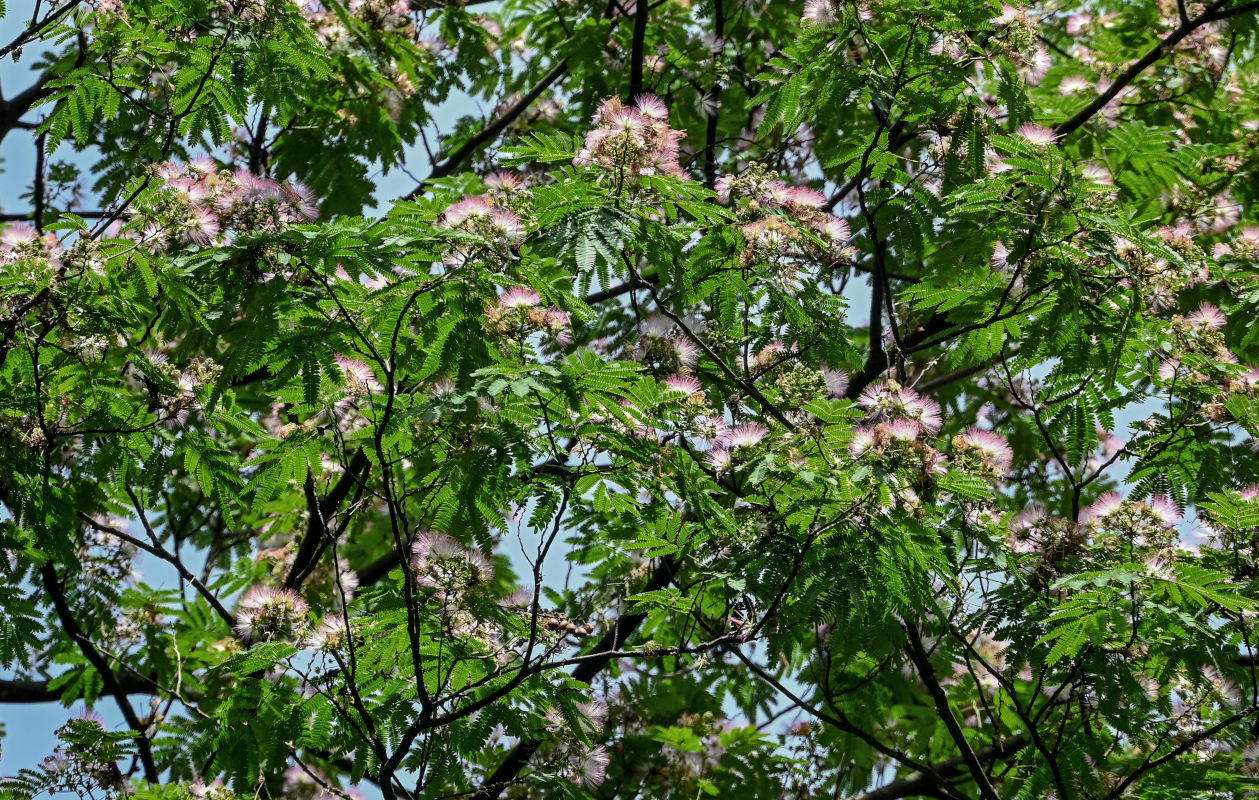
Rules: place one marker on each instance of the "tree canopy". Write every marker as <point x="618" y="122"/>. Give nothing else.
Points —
<point x="756" y="400"/>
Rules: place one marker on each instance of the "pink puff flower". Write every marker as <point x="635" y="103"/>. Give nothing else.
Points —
<point x="719" y="459"/>
<point x="268" y="614"/>
<point x="1207" y="316"/>
<point x="651" y="107"/>
<point x="1165" y="509"/>
<point x="1106" y="504"/>
<point x="820" y="12"/>
<point x="992" y="448"/>
<point x="836" y="381"/>
<point x="686" y="384"/>
<point x="862" y="441"/>
<point x="902" y="430"/>
<point x="472" y="205"/>
<point x="519" y="297"/>
<point x="806" y="198"/>
<point x="1038" y="135"/>
<point x="836" y="230"/>
<point x="749" y="434"/>
<point x="503" y="180"/>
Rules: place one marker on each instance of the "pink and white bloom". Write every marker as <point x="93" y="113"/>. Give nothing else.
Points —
<point x="1208" y="317"/>
<point x="1039" y="135"/>
<point x="748" y="434"/>
<point x="1105" y="505"/>
<point x="686" y="384"/>
<point x="836" y="381"/>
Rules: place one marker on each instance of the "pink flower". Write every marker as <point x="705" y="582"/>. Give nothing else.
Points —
<point x="685" y="384"/>
<point x="302" y="200"/>
<point x="1207" y="316"/>
<point x="440" y="562"/>
<point x="652" y="108"/>
<point x="202" y="226"/>
<point x="1106" y="504"/>
<point x="1037" y="66"/>
<point x="835" y="230"/>
<point x="1165" y="509"/>
<point x="467" y="207"/>
<point x="719" y="459"/>
<point x="992" y="449"/>
<point x="902" y="430"/>
<point x="1097" y="173"/>
<point x="1008" y="14"/>
<point x="506" y="224"/>
<point x="359" y="375"/>
<point x="504" y="180"/>
<point x="519" y="297"/>
<point x="888" y="400"/>
<point x="655" y="326"/>
<point x="805" y="197"/>
<point x="862" y="441"/>
<point x="590" y="767"/>
<point x="1000" y="257"/>
<point x="836" y="381"/>
<point x="1073" y="84"/>
<point x="749" y="434"/>
<point x="269" y="614"/>
<point x="1038" y="135"/>
<point x="820" y="12"/>
<point x="687" y="352"/>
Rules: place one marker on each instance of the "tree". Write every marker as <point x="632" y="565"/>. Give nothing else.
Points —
<point x="572" y="473"/>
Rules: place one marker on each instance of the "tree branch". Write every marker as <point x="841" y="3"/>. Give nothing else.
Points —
<point x="490" y="132"/>
<point x="94" y="657"/>
<point x="1212" y="13"/>
<point x="918" y="655"/>
<point x="923" y="783"/>
<point x="637" y="45"/>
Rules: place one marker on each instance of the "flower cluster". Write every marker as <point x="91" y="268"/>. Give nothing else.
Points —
<point x="632" y="141"/>
<point x="359" y="377"/>
<point x="1019" y="40"/>
<point x="695" y="416"/>
<point x="441" y="563"/>
<point x="663" y="348"/>
<point x="1049" y="540"/>
<point x="180" y="390"/>
<point x="1159" y="279"/>
<point x="80" y="771"/>
<point x="198" y="203"/>
<point x="776" y="218"/>
<point x="326" y="582"/>
<point x="1198" y="334"/>
<point x="490" y="229"/>
<point x="899" y="422"/>
<point x="735" y="444"/>
<point x="518" y="313"/>
<point x="888" y="401"/>
<point x="267" y="614"/>
<point x="21" y="246"/>
<point x="983" y="453"/>
<point x="1139" y="523"/>
<point x="386" y="16"/>
<point x="821" y="13"/>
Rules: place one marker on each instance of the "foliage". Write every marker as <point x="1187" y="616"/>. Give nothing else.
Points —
<point x="572" y="473"/>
